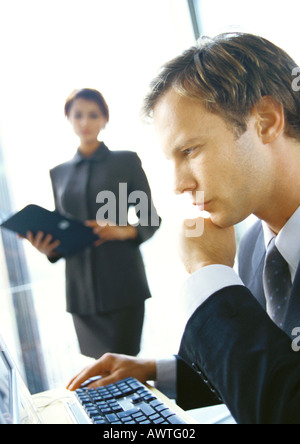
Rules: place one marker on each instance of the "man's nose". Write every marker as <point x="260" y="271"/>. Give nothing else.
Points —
<point x="184" y="181"/>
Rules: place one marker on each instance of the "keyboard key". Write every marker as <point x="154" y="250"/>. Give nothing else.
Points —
<point x="111" y="417"/>
<point x="129" y="420"/>
<point x="140" y="418"/>
<point x="155" y="416"/>
<point x="122" y="415"/>
<point x="84" y="398"/>
<point x="156" y="403"/>
<point x="117" y="409"/>
<point x="93" y="413"/>
<point x="166" y="413"/>
<point x="101" y="404"/>
<point x="135" y="398"/>
<point x="147" y="409"/>
<point x="143" y="392"/>
<point x="160" y="408"/>
<point x="113" y="403"/>
<point x="118" y="394"/>
<point x="149" y="398"/>
<point x="127" y="391"/>
<point x="132" y="411"/>
<point x="136" y="385"/>
<point x="99" y="421"/>
<point x="98" y="399"/>
<point x="136" y="415"/>
<point x="98" y="418"/>
<point x="106" y="411"/>
<point x="88" y="405"/>
<point x="175" y="420"/>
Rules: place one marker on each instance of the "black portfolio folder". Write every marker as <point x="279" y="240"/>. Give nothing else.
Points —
<point x="73" y="235"/>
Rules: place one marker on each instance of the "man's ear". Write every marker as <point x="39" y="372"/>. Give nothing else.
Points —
<point x="270" y="119"/>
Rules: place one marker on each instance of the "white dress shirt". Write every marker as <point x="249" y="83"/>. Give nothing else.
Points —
<point x="208" y="280"/>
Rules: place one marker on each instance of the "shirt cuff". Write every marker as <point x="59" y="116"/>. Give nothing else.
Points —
<point x="204" y="283"/>
<point x="166" y="376"/>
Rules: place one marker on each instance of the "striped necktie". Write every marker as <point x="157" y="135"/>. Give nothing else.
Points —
<point x="277" y="284"/>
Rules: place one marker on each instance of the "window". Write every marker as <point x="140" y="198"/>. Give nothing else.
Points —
<point x="273" y="20"/>
<point x="48" y="49"/>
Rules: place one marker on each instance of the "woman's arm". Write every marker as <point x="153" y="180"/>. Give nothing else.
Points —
<point x="111" y="232"/>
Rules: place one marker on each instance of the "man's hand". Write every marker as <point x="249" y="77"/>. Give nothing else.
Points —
<point x="113" y="367"/>
<point x="215" y="246"/>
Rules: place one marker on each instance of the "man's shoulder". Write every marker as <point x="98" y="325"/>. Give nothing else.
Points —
<point x="251" y="235"/>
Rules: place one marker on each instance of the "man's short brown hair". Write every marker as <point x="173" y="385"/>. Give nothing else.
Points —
<point x="230" y="74"/>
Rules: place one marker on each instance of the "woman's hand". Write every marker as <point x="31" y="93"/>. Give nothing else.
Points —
<point x="114" y="367"/>
<point x="109" y="232"/>
<point x="44" y="244"/>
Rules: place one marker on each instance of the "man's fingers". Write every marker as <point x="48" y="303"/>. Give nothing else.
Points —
<point x="99" y="368"/>
<point x="104" y="380"/>
<point x="79" y="379"/>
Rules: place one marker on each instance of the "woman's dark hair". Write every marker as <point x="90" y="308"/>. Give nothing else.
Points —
<point x="88" y="94"/>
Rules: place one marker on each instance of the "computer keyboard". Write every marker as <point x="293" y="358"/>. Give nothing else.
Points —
<point x="125" y="402"/>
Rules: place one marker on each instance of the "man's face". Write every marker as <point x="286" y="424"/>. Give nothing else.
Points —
<point x="207" y="156"/>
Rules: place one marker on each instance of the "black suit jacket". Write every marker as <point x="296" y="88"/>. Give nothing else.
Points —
<point x="234" y="348"/>
<point x="111" y="276"/>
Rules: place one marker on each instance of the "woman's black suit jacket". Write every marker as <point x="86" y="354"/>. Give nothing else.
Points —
<point x="112" y="276"/>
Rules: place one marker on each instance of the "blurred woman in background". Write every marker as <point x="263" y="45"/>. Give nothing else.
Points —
<point x="106" y="285"/>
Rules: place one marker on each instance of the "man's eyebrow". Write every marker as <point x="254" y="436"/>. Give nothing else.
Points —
<point x="188" y="143"/>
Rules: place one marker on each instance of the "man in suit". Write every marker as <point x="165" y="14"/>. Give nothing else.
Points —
<point x="227" y="115"/>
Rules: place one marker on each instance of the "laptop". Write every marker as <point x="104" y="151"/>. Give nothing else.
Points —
<point x="16" y="405"/>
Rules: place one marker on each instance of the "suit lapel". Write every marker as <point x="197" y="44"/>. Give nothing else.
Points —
<point x="256" y="283"/>
<point x="293" y="311"/>
<point x="252" y="274"/>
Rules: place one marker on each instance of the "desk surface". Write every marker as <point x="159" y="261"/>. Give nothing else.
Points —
<point x="51" y="406"/>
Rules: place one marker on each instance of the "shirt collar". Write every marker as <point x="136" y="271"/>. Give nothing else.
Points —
<point x="286" y="241"/>
<point x="97" y="156"/>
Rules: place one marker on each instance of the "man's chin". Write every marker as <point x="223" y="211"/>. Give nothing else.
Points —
<point x="221" y="220"/>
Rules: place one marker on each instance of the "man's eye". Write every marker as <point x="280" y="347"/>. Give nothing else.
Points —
<point x="192" y="150"/>
<point x="188" y="151"/>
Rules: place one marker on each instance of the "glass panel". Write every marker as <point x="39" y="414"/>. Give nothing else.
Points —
<point x="233" y="15"/>
<point x="51" y="48"/>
